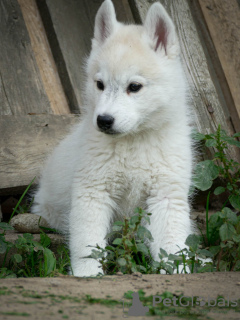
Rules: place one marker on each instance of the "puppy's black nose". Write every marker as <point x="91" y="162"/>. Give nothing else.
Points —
<point x="105" y="122"/>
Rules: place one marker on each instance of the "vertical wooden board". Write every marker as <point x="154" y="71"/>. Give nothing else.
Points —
<point x="69" y="25"/>
<point x="223" y="21"/>
<point x="44" y="58"/>
<point x="214" y="64"/>
<point x="209" y="110"/>
<point x="21" y="87"/>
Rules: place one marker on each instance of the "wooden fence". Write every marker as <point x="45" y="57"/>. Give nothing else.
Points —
<point x="43" y="44"/>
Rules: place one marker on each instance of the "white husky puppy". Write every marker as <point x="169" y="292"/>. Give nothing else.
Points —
<point x="132" y="147"/>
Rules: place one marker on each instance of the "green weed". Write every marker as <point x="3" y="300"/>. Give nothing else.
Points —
<point x="129" y="251"/>
<point x="222" y="237"/>
<point x="30" y="258"/>
<point x="218" y="246"/>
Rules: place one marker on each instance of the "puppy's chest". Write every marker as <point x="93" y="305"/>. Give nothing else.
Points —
<point x="129" y="184"/>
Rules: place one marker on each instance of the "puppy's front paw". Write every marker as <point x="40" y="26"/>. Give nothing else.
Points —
<point x="87" y="267"/>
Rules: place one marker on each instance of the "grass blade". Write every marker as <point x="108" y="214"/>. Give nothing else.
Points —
<point x="22" y="196"/>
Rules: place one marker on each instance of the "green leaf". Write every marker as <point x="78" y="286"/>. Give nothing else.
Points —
<point x="230" y="215"/>
<point x="49" y="261"/>
<point x="110" y="235"/>
<point x="144" y="233"/>
<point x="7" y="274"/>
<point x="219" y="190"/>
<point x="197" y="135"/>
<point x="174" y="257"/>
<point x="236" y="135"/>
<point x="214" y="218"/>
<point x="142" y="269"/>
<point x="237" y="266"/>
<point x="45" y="240"/>
<point x="116" y="228"/>
<point x="206" y="268"/>
<point x="163" y="253"/>
<point x="28" y="237"/>
<point x="128" y="243"/>
<point x="215" y="249"/>
<point x="168" y="269"/>
<point x="191" y="254"/>
<point x="134" y="219"/>
<point x="226" y="231"/>
<point x="209" y="136"/>
<point x="205" y="253"/>
<point x="156" y="264"/>
<point x="235" y="201"/>
<point x="111" y="248"/>
<point x="20" y="241"/>
<point x="231" y="141"/>
<point x="147" y="219"/>
<point x="134" y="268"/>
<point x="205" y="172"/>
<point x="121" y="262"/>
<point x="3" y="246"/>
<point x="211" y="143"/>
<point x="5" y="226"/>
<point x="142" y="248"/>
<point x="96" y="254"/>
<point x="223" y="266"/>
<point x="236" y="238"/>
<point x="37" y="245"/>
<point x="17" y="258"/>
<point x="119" y="223"/>
<point x="193" y="241"/>
<point x="117" y="241"/>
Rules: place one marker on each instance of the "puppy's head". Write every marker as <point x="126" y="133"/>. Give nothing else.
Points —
<point x="133" y="80"/>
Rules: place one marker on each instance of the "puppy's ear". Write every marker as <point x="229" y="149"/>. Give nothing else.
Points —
<point x="105" y="21"/>
<point x="161" y="30"/>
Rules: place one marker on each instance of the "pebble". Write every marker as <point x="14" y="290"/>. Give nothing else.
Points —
<point x="28" y="222"/>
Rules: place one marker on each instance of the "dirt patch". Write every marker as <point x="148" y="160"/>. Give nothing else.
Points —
<point x="68" y="297"/>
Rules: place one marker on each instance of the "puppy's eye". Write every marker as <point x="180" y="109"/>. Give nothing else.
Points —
<point x="100" y="85"/>
<point x="134" y="87"/>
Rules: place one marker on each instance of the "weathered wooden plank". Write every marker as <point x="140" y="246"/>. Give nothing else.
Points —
<point x="20" y="85"/>
<point x="69" y="26"/>
<point x="44" y="58"/>
<point x="25" y="142"/>
<point x="223" y="20"/>
<point x="209" y="110"/>
<point x="214" y="64"/>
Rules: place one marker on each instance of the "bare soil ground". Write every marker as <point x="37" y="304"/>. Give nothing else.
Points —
<point x="67" y="297"/>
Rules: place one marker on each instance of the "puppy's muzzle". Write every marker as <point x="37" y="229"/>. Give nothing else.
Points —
<point x="105" y="123"/>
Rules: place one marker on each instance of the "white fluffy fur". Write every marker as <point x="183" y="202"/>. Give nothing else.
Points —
<point x="92" y="177"/>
